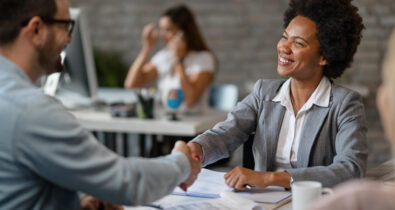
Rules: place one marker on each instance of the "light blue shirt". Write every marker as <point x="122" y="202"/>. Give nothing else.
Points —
<point x="46" y="156"/>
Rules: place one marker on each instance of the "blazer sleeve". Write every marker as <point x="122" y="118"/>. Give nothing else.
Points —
<point x="226" y="136"/>
<point x="351" y="149"/>
<point x="51" y="144"/>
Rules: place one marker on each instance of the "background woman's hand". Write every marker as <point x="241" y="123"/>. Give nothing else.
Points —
<point x="149" y="36"/>
<point x="240" y="177"/>
<point x="179" y="45"/>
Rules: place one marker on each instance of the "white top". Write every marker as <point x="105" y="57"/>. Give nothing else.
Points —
<point x="291" y="128"/>
<point x="194" y="62"/>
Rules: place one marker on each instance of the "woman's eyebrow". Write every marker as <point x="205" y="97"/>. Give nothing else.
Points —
<point x="297" y="37"/>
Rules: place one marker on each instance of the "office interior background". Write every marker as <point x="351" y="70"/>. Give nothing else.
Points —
<point x="243" y="35"/>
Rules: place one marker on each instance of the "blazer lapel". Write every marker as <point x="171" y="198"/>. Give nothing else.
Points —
<point x="310" y="131"/>
<point x="273" y="119"/>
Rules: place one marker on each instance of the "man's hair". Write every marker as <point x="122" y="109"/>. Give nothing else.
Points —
<point x="339" y="28"/>
<point x="16" y="13"/>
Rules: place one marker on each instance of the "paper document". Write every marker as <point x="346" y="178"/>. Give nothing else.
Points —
<point x="271" y="194"/>
<point x="228" y="200"/>
<point x="210" y="184"/>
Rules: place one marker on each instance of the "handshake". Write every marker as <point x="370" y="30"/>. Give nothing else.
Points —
<point x="194" y="152"/>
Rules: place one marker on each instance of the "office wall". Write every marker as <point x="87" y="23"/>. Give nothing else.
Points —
<point x="243" y="34"/>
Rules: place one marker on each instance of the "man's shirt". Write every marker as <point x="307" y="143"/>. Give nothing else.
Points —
<point x="46" y="156"/>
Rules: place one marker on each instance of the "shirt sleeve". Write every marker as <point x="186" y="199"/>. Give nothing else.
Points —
<point x="156" y="59"/>
<point x="358" y="195"/>
<point x="201" y="62"/>
<point x="50" y="143"/>
<point x="163" y="61"/>
<point x="225" y="137"/>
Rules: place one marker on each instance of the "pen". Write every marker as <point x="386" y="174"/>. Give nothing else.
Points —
<point x="153" y="206"/>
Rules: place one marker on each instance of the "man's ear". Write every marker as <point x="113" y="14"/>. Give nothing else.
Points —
<point x="35" y="31"/>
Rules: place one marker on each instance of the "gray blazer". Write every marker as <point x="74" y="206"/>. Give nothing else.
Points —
<point x="333" y="146"/>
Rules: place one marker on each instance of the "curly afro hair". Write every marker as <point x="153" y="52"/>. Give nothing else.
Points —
<point x="339" y="28"/>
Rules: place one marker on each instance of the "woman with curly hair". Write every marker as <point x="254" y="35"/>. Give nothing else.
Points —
<point x="306" y="127"/>
<point x="363" y="194"/>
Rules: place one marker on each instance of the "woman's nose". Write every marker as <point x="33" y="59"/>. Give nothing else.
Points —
<point x="283" y="46"/>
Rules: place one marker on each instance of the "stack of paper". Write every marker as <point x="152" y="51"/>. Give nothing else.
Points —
<point x="209" y="184"/>
<point x="229" y="201"/>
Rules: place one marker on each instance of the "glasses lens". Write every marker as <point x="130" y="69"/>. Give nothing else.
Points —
<point x="70" y="26"/>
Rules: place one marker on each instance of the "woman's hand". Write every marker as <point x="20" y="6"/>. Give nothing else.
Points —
<point x="178" y="45"/>
<point x="196" y="151"/>
<point x="240" y="177"/>
<point x="149" y="36"/>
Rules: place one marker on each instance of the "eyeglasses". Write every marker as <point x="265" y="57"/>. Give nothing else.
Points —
<point x="69" y="23"/>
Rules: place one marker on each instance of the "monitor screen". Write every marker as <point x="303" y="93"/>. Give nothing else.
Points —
<point x="79" y="76"/>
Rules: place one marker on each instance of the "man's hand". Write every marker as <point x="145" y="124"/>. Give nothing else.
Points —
<point x="91" y="203"/>
<point x="195" y="164"/>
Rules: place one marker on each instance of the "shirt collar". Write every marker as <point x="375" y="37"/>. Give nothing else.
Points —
<point x="283" y="95"/>
<point x="322" y="93"/>
<point x="320" y="96"/>
<point x="11" y="68"/>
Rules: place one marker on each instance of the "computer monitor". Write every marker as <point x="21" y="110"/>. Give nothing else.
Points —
<point x="78" y="83"/>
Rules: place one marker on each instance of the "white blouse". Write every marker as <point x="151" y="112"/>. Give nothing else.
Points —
<point x="292" y="126"/>
<point x="194" y="62"/>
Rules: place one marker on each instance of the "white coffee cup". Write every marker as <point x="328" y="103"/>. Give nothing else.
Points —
<point x="306" y="192"/>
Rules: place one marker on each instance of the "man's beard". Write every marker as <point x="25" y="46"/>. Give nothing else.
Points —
<point x="49" y="61"/>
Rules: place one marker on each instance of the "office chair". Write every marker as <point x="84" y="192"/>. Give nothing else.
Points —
<point x="223" y="97"/>
<point x="248" y="157"/>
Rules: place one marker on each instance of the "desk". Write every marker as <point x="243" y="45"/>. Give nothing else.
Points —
<point x="112" y="131"/>
<point x="187" y="126"/>
<point x="174" y="199"/>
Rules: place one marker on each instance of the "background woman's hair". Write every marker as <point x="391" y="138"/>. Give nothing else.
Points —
<point x="339" y="28"/>
<point x="184" y="19"/>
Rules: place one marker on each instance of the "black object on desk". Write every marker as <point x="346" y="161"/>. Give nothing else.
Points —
<point x="145" y="107"/>
<point x="123" y="111"/>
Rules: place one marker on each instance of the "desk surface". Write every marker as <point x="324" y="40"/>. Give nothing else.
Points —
<point x="175" y="199"/>
<point x="187" y="126"/>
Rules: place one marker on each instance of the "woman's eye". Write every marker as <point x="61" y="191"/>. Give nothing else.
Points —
<point x="284" y="37"/>
<point x="299" y="44"/>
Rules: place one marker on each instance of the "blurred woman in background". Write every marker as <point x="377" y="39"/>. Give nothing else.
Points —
<point x="184" y="63"/>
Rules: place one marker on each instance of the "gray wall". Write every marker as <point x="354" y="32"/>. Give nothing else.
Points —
<point x="243" y="34"/>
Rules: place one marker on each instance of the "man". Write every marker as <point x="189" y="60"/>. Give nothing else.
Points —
<point x="45" y="155"/>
